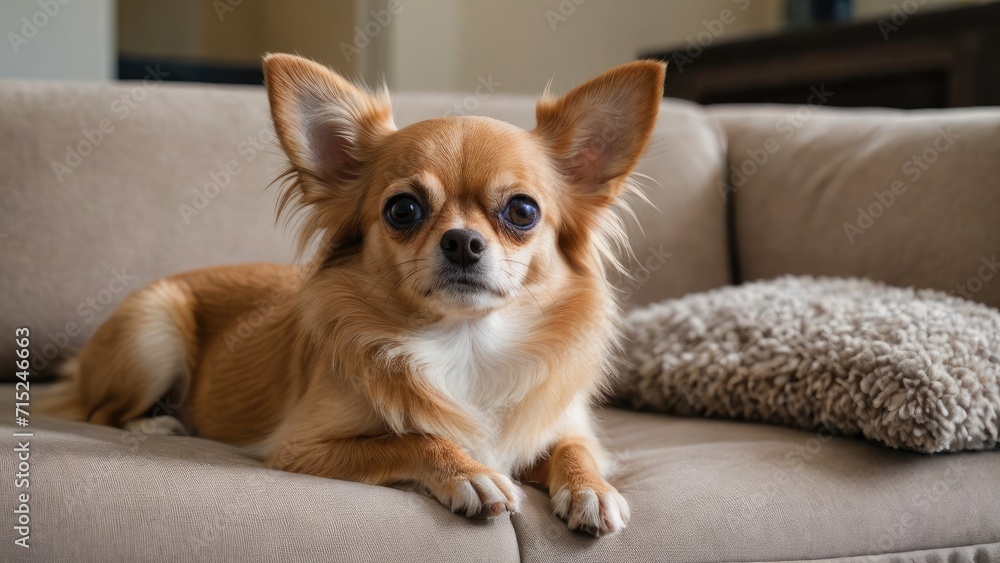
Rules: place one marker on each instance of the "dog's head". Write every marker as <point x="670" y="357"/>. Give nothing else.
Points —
<point x="458" y="214"/>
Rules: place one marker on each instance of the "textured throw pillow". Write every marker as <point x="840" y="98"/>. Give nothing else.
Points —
<point x="913" y="369"/>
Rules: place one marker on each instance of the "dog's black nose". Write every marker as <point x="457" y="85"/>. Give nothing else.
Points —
<point x="462" y="246"/>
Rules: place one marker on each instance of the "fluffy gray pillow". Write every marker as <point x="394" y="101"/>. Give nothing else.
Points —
<point x="913" y="369"/>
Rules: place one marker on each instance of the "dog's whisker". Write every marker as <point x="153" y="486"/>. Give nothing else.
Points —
<point x="374" y="285"/>
<point x="388" y="270"/>
<point x="526" y="266"/>
<point x="509" y="276"/>
<point x="403" y="279"/>
<point x="403" y="263"/>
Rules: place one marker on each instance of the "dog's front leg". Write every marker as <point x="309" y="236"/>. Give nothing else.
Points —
<point x="461" y="483"/>
<point x="580" y="494"/>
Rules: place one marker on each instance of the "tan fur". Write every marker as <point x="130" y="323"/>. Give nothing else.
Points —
<point x="363" y="364"/>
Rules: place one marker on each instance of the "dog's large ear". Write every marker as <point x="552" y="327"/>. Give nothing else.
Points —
<point x="328" y="128"/>
<point x="598" y="131"/>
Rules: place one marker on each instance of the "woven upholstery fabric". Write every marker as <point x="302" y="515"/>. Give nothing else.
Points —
<point x="700" y="490"/>
<point x="909" y="198"/>
<point x="100" y="494"/>
<point x="911" y="369"/>
<point x="717" y="490"/>
<point x="178" y="182"/>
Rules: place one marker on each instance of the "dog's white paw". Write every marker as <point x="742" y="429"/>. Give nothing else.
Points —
<point x="482" y="495"/>
<point x="596" y="513"/>
<point x="157" y="426"/>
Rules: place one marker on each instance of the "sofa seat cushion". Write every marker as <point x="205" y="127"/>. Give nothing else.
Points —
<point x="102" y="494"/>
<point x="712" y="490"/>
<point x="699" y="490"/>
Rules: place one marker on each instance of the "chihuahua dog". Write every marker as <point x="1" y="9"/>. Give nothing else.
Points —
<point x="456" y="321"/>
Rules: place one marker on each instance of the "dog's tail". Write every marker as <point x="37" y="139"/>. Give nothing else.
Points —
<point x="63" y="398"/>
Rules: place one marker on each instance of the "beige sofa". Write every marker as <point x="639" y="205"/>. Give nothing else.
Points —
<point x="104" y="187"/>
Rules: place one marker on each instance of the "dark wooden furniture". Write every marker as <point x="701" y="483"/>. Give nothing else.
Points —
<point x="946" y="58"/>
<point x="137" y="68"/>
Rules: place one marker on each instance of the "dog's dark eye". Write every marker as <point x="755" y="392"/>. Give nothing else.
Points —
<point x="403" y="211"/>
<point x="521" y="212"/>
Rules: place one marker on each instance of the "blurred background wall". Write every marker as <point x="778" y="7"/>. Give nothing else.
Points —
<point x="234" y="31"/>
<point x="429" y="44"/>
<point x="414" y="44"/>
<point x="58" y="39"/>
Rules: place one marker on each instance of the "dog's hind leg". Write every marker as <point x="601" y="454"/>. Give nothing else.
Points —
<point x="157" y="426"/>
<point x="143" y="352"/>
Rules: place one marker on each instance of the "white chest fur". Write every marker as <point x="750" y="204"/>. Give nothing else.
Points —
<point x="483" y="365"/>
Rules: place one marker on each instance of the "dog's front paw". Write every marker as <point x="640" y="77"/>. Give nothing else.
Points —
<point x="483" y="495"/>
<point x="597" y="511"/>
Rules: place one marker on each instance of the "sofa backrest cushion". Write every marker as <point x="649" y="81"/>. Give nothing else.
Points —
<point x="106" y="187"/>
<point x="908" y="198"/>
